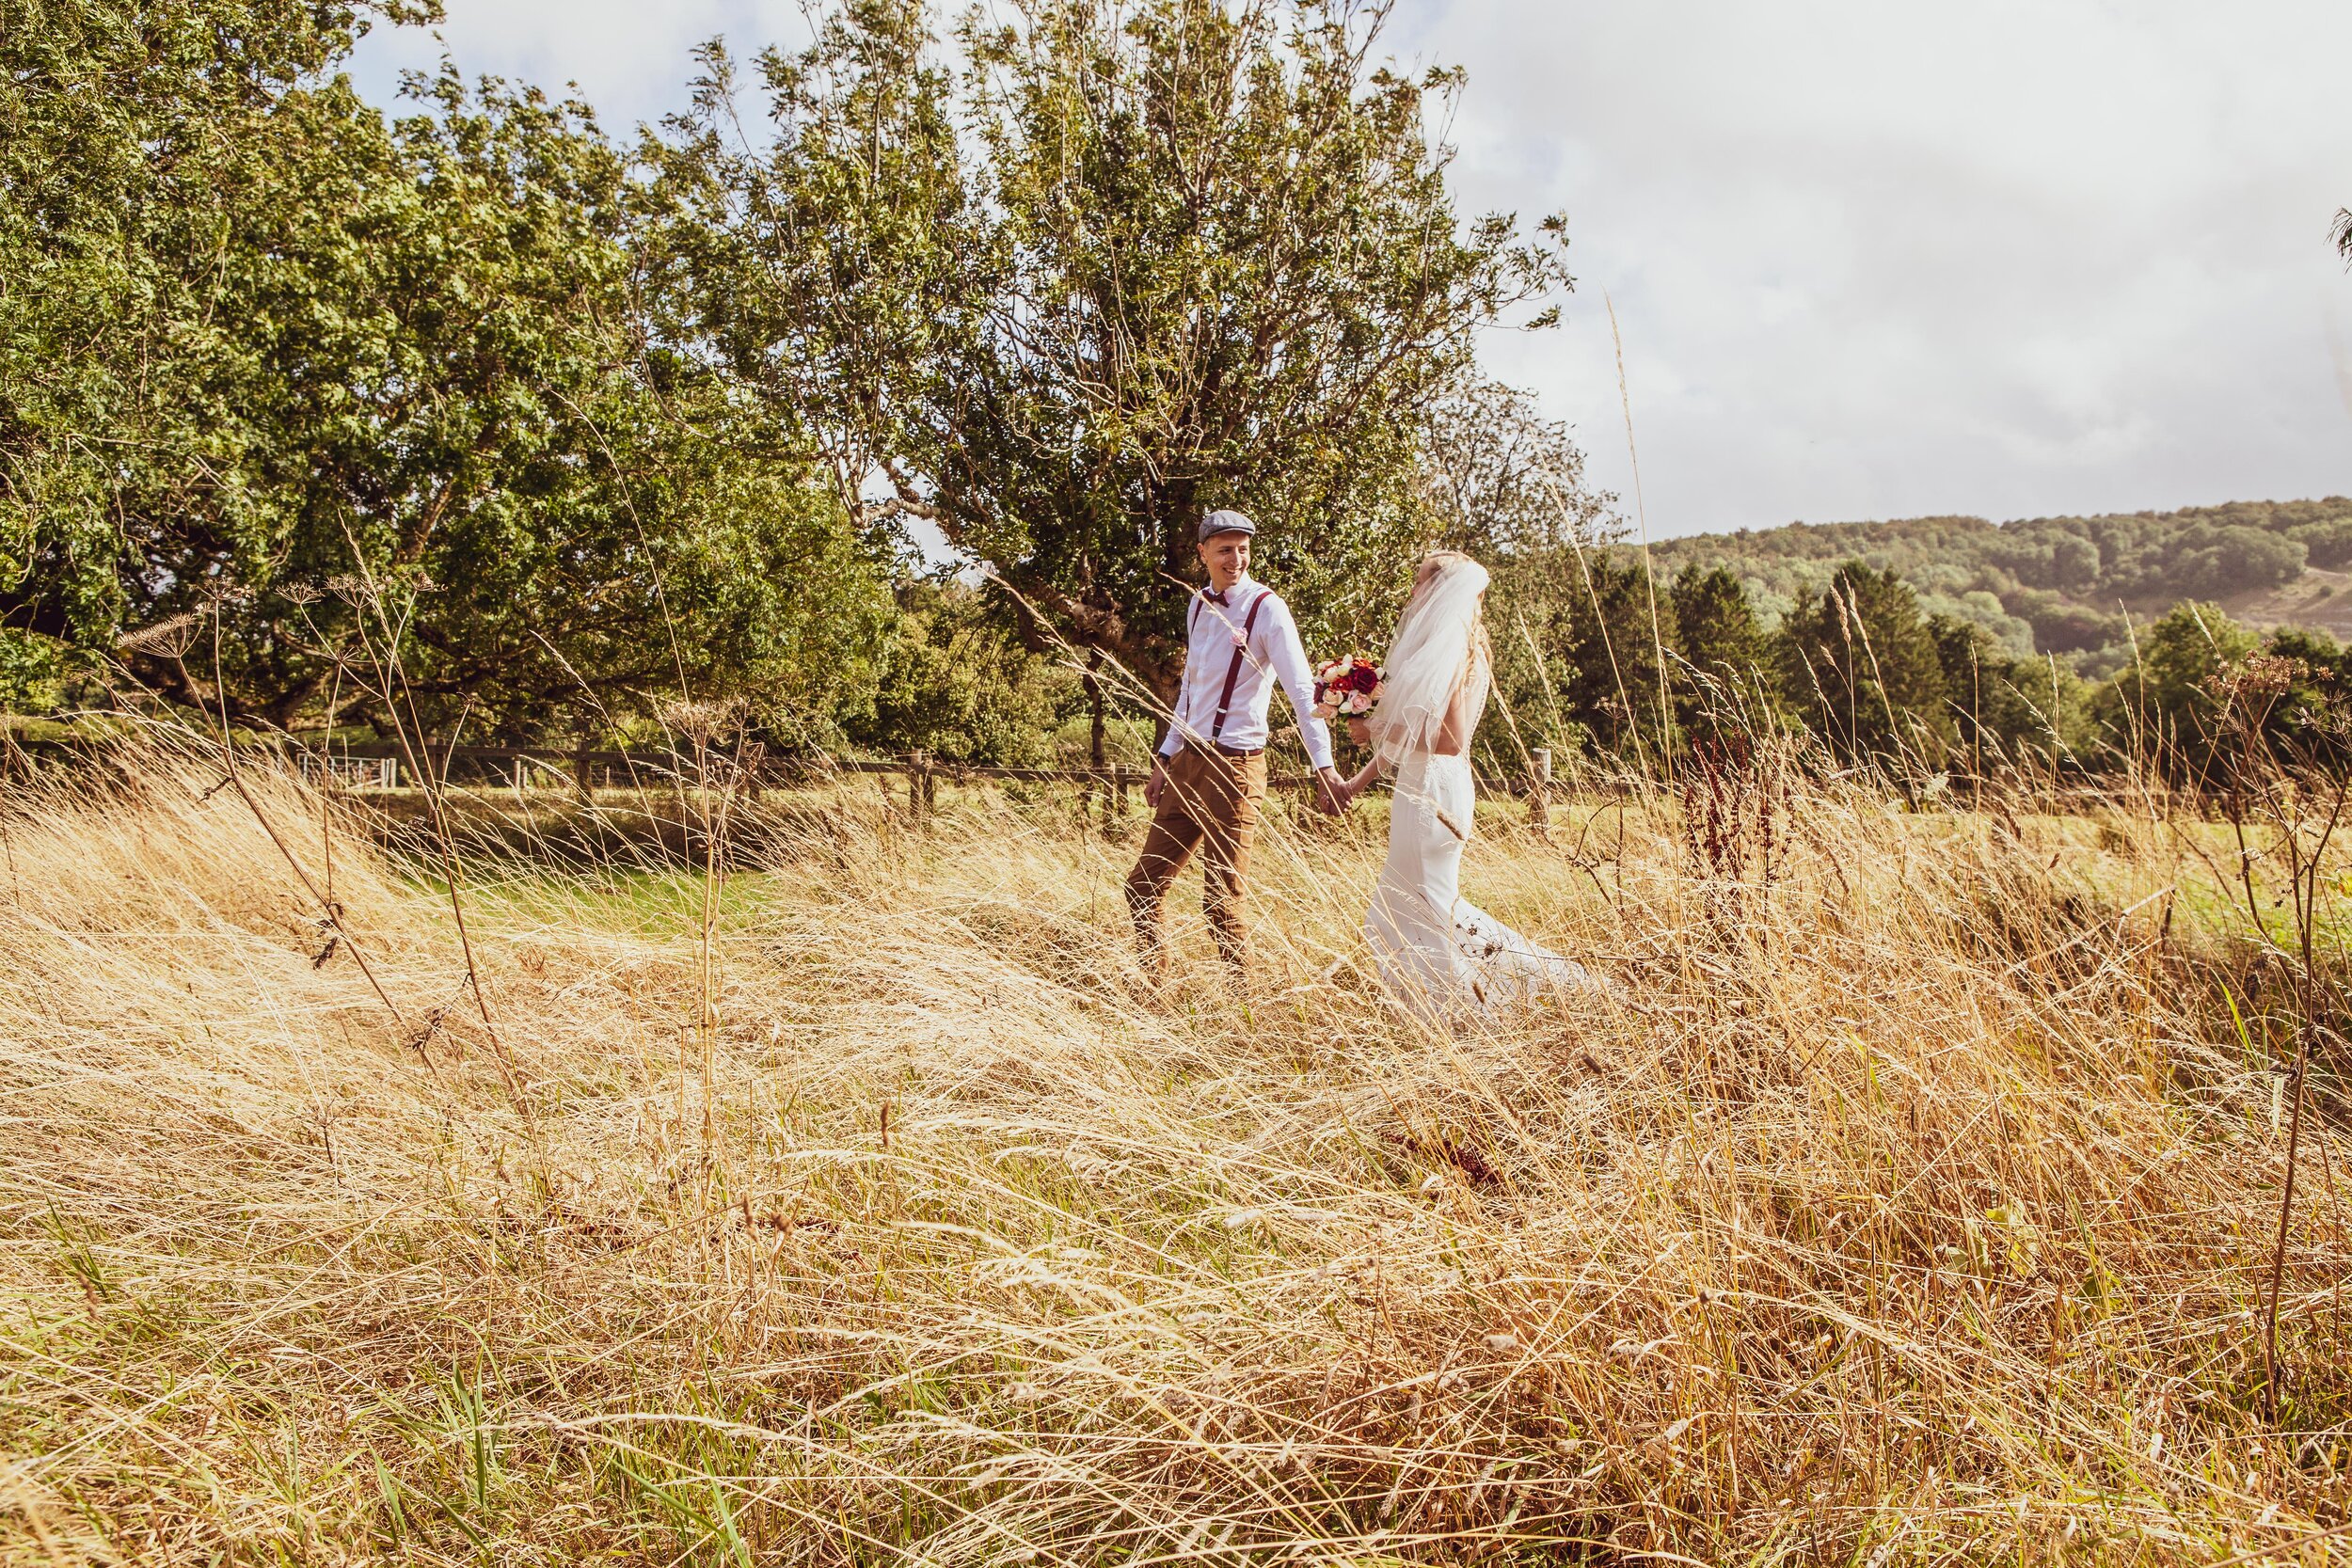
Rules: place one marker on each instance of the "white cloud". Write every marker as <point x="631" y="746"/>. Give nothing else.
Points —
<point x="1875" y="261"/>
<point x="1869" y="260"/>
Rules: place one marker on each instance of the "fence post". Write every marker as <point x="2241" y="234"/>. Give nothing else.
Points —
<point x="1118" y="792"/>
<point x="1540" y="794"/>
<point x="919" y="786"/>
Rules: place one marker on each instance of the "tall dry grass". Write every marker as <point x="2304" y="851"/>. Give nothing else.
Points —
<point x="1915" y="1207"/>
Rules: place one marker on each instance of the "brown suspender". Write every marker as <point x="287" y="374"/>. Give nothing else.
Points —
<point x="1232" y="672"/>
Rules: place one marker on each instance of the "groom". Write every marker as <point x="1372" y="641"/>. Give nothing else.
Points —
<point x="1208" y="782"/>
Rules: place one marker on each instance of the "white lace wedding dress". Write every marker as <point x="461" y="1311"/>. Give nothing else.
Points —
<point x="1440" y="955"/>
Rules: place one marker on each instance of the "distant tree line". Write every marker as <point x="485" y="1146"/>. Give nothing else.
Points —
<point x="1598" y="653"/>
<point x="2064" y="585"/>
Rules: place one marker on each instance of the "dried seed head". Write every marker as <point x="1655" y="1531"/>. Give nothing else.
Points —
<point x="166" y="639"/>
<point x="698" y="721"/>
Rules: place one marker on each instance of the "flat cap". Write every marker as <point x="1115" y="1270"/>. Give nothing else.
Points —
<point x="1225" y="522"/>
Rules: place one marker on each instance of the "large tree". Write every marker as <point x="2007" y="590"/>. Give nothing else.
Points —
<point x="347" y="380"/>
<point x="128" y="135"/>
<point x="1184" y="254"/>
<point x="1234" y="277"/>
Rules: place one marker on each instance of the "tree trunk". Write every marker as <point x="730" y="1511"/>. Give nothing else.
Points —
<point x="1094" y="709"/>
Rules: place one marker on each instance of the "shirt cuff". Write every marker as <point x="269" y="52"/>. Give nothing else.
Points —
<point x="1318" y="737"/>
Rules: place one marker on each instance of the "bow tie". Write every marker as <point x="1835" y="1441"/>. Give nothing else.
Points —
<point x="1215" y="597"/>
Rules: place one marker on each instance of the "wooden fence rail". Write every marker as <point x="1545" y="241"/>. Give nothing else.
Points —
<point x="765" y="771"/>
<point x="379" y="765"/>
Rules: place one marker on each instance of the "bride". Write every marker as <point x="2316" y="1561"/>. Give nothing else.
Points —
<point x="1439" y="955"/>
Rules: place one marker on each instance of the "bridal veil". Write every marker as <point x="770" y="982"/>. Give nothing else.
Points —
<point x="1434" y="652"/>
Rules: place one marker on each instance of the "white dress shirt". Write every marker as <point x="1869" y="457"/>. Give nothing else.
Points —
<point x="1273" y="653"/>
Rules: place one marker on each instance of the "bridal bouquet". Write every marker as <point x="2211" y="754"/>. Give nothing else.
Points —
<point x="1347" y="688"/>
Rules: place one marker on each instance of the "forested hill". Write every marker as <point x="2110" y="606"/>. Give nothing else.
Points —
<point x="2065" y="584"/>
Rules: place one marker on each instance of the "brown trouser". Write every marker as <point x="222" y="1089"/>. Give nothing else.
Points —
<point x="1211" y="803"/>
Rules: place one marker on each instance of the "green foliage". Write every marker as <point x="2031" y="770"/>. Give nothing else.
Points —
<point x="1863" y="669"/>
<point x="2313" y="718"/>
<point x="133" y="136"/>
<point x="1577" y="654"/>
<point x="2183" y="703"/>
<point x="2165" y="702"/>
<point x="32" y="672"/>
<point x="2327" y="543"/>
<point x="835" y="266"/>
<point x="1226" y="271"/>
<point x="2008" y="709"/>
<point x="339" y="386"/>
<point x="1723" y="650"/>
<point x="595" y="543"/>
<point x="956" y="685"/>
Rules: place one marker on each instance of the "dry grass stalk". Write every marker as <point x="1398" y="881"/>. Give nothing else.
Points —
<point x="1939" y="1235"/>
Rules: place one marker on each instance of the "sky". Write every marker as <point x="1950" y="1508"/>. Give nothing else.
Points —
<point x="1866" y="260"/>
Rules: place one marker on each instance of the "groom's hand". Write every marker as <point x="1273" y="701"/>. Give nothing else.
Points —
<point x="1331" y="792"/>
<point x="1154" y="785"/>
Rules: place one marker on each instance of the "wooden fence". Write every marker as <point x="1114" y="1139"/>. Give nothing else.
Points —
<point x="386" y="765"/>
<point x="371" y="766"/>
<point x="380" y="765"/>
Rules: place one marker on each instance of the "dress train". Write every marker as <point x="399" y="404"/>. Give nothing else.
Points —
<point x="1439" y="955"/>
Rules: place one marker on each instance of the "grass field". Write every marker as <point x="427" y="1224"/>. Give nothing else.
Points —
<point x="1914" y="1204"/>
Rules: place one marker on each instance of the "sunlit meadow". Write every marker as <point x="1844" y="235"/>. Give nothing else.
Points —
<point x="838" y="1190"/>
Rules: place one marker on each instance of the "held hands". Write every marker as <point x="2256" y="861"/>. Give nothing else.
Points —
<point x="1332" y="796"/>
<point x="1335" y="795"/>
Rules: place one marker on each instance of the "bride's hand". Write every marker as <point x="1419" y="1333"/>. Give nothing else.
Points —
<point x="1331" y="796"/>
